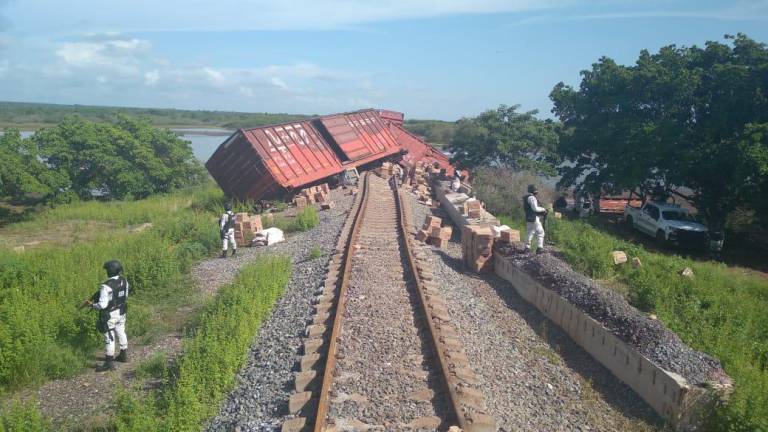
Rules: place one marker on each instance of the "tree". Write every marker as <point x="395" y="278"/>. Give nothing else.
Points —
<point x="127" y="158"/>
<point x="24" y="176"/>
<point x="505" y="138"/>
<point x="684" y="117"/>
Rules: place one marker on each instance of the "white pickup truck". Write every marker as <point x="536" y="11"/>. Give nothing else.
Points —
<point x="668" y="223"/>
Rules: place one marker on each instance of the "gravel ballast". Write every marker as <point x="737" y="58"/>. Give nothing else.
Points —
<point x="650" y="337"/>
<point x="259" y="400"/>
<point x="533" y="376"/>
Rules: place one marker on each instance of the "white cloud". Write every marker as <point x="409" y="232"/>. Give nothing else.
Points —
<point x="115" y="69"/>
<point x="121" y="56"/>
<point x="214" y="76"/>
<point x="277" y="82"/>
<point x="151" y="77"/>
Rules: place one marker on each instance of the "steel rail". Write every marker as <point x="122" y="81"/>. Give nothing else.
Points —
<point x="330" y="364"/>
<point x="423" y="302"/>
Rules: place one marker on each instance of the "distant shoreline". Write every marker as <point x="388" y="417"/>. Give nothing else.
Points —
<point x="184" y="129"/>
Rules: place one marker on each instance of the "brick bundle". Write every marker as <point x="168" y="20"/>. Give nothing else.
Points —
<point x="473" y="209"/>
<point x="386" y="170"/>
<point x="315" y="194"/>
<point x="477" y="248"/>
<point x="420" y="184"/>
<point x="434" y="233"/>
<point x="246" y="226"/>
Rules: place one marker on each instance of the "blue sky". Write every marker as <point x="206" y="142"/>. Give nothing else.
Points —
<point x="428" y="58"/>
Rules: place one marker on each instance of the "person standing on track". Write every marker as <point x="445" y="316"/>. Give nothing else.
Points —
<point x="227" y="226"/>
<point x="533" y="220"/>
<point x="111" y="302"/>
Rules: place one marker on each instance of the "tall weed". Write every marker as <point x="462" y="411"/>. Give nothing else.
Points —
<point x="22" y="417"/>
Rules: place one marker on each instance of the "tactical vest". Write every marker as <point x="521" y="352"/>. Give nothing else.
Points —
<point x="230" y="223"/>
<point x="119" y="294"/>
<point x="530" y="214"/>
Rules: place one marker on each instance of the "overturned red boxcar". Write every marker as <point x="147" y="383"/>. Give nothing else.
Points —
<point x="268" y="162"/>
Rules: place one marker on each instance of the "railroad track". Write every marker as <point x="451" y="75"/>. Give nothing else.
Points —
<point x="380" y="353"/>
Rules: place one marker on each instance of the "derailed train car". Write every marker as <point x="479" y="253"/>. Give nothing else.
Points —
<point x="270" y="162"/>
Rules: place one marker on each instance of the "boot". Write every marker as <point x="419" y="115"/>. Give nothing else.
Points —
<point x="234" y="252"/>
<point x="540" y="251"/>
<point x="223" y="254"/>
<point x="123" y="356"/>
<point x="107" y="366"/>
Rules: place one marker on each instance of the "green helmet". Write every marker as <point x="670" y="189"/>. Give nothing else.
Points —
<point x="532" y="189"/>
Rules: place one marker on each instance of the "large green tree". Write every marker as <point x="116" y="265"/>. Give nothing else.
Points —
<point x="127" y="158"/>
<point x="505" y="138"/>
<point x="23" y="175"/>
<point x="684" y="117"/>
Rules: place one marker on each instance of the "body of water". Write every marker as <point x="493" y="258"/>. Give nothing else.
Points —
<point x="204" y="140"/>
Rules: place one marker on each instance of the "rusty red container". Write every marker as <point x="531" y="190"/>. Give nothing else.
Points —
<point x="392" y="117"/>
<point x="268" y="161"/>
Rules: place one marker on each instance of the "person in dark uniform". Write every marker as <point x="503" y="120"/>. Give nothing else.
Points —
<point x="111" y="302"/>
<point x="534" y="214"/>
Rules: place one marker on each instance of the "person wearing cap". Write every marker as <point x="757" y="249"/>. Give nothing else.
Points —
<point x="227" y="226"/>
<point x="533" y="220"/>
<point x="111" y="302"/>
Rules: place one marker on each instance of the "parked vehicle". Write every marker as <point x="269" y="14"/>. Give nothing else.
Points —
<point x="578" y="209"/>
<point x="669" y="224"/>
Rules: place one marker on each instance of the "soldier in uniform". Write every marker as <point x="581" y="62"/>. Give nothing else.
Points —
<point x="111" y="302"/>
<point x="227" y="226"/>
<point x="534" y="214"/>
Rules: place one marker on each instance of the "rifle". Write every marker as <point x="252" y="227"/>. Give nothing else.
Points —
<point x="88" y="302"/>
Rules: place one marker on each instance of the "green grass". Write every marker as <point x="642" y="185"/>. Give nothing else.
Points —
<point x="305" y="220"/>
<point x="213" y="353"/>
<point x="42" y="334"/>
<point x="22" y="416"/>
<point x="316" y="252"/>
<point x="153" y="367"/>
<point x="721" y="311"/>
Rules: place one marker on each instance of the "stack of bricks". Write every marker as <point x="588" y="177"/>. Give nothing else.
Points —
<point x="473" y="209"/>
<point x="509" y="236"/>
<point x="386" y="170"/>
<point x="246" y="226"/>
<point x="315" y="194"/>
<point x="434" y="233"/>
<point x="509" y="243"/>
<point x="421" y="185"/>
<point x="477" y="248"/>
